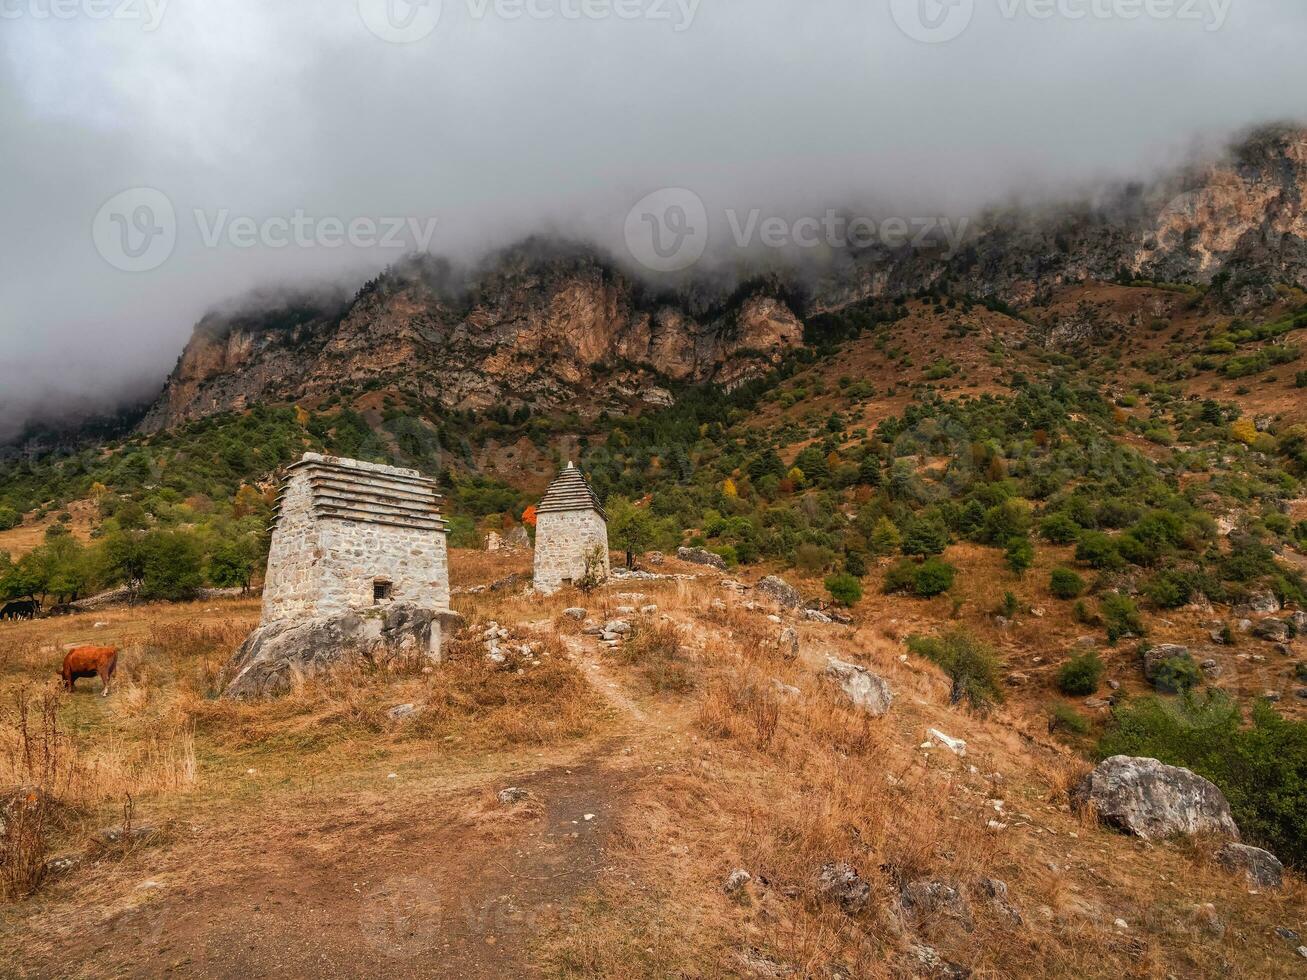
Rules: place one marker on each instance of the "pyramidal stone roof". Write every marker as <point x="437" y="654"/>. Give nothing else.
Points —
<point x="570" y="492"/>
<point x="369" y="493"/>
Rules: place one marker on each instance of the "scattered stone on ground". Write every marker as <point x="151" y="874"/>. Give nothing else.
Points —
<point x="842" y="884"/>
<point x="1261" y="868"/>
<point x="780" y="591"/>
<point x="701" y="556"/>
<point x="868" y="691"/>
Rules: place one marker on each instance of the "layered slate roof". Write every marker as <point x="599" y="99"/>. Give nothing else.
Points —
<point x="349" y="490"/>
<point x="570" y="492"/>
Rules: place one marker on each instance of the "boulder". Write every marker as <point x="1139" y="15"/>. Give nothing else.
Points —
<point x="1263" y="602"/>
<point x="928" y="962"/>
<point x="513" y="795"/>
<point x="274" y="655"/>
<point x="933" y="898"/>
<point x="1151" y="800"/>
<point x="1154" y="657"/>
<point x="403" y="712"/>
<point x="867" y="690"/>
<point x="955" y="745"/>
<point x="1273" y="631"/>
<point x="1261" y="868"/>
<point x="1299" y="622"/>
<point x="699" y="556"/>
<point x="780" y="592"/>
<point x="842" y="884"/>
<point x="736" y="881"/>
<point x="996" y="894"/>
<point x="575" y="613"/>
<point x="816" y="616"/>
<point x="789" y="642"/>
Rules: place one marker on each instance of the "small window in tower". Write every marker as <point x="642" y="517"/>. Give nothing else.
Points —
<point x="381" y="591"/>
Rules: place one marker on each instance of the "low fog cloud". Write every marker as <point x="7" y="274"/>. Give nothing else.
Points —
<point x="300" y="142"/>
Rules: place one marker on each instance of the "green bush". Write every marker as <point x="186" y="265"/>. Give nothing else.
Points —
<point x="1020" y="555"/>
<point x="172" y="566"/>
<point x="1080" y="676"/>
<point x="1066" y="584"/>
<point x="844" y="589"/>
<point x="9" y="518"/>
<point x="1059" y="529"/>
<point x="1177" y="675"/>
<point x="1098" y="550"/>
<point x="901" y="577"/>
<point x="1067" y="719"/>
<point x="933" y="577"/>
<point x="1121" y="616"/>
<point x="971" y="665"/>
<point x="927" y="535"/>
<point x="1261" y="768"/>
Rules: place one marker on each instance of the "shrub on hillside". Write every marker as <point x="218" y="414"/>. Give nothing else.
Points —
<point x="1020" y="555"/>
<point x="1261" y="768"/>
<point x="971" y="665"/>
<point x="1059" y="529"/>
<point x="9" y="518"/>
<point x="844" y="589"/>
<point x="1121" y="616"/>
<point x="931" y="578"/>
<point x="1098" y="550"/>
<point x="927" y="535"/>
<point x="1067" y="719"/>
<point x="1066" y="584"/>
<point x="1080" y="676"/>
<point x="1177" y="675"/>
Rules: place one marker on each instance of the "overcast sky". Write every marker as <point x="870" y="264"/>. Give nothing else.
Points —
<point x="499" y="118"/>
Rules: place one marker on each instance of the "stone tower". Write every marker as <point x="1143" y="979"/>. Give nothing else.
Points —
<point x="571" y="528"/>
<point x="353" y="536"/>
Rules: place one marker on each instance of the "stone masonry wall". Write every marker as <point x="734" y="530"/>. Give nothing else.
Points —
<point x="562" y="542"/>
<point x="321" y="566"/>
<point x="291" y="584"/>
<point x="355" y="554"/>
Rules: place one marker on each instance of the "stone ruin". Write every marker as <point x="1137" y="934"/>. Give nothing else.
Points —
<point x="571" y="534"/>
<point x="359" y="565"/>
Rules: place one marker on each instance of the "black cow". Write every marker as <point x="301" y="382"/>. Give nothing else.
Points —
<point x="23" y="609"/>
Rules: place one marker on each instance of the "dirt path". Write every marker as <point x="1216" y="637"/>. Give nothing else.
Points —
<point x="444" y="886"/>
<point x="436" y="880"/>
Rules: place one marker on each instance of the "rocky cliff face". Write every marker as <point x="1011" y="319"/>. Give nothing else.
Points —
<point x="1239" y="221"/>
<point x="547" y="329"/>
<point x="551" y="325"/>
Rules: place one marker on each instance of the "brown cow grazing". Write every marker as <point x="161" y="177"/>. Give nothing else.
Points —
<point x="90" y="662"/>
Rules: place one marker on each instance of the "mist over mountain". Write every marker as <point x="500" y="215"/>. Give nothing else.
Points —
<point x="493" y="128"/>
